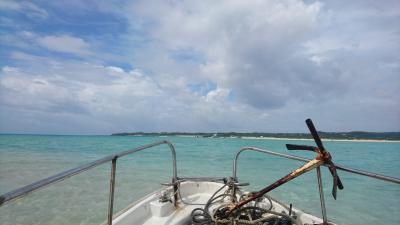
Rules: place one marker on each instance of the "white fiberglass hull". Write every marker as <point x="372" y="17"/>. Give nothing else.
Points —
<point x="150" y="211"/>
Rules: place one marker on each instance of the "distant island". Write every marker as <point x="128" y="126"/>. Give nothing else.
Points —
<point x="353" y="135"/>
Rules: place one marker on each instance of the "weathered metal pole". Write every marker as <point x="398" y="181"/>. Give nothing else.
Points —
<point x="321" y="196"/>
<point x="111" y="195"/>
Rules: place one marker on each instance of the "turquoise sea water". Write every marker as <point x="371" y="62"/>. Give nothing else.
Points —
<point x="83" y="199"/>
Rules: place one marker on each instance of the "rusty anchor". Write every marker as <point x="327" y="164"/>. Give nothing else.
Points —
<point x="323" y="157"/>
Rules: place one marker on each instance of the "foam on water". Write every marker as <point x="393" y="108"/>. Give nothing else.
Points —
<point x="83" y="199"/>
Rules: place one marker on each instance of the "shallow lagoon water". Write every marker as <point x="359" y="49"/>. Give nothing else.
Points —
<point x="83" y="199"/>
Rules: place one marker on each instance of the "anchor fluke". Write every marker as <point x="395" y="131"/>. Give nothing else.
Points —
<point x="300" y="147"/>
<point x="337" y="183"/>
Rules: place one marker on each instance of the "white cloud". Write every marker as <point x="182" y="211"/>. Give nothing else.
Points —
<point x="65" y="43"/>
<point x="246" y="47"/>
<point x="9" y="69"/>
<point x="219" y="95"/>
<point x="28" y="8"/>
<point x="319" y="60"/>
<point x="115" y="69"/>
<point x="111" y="99"/>
<point x="272" y="55"/>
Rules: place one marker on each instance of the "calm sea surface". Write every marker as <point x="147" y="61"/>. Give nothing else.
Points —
<point x="83" y="199"/>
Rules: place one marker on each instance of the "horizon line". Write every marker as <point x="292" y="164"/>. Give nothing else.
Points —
<point x="171" y="132"/>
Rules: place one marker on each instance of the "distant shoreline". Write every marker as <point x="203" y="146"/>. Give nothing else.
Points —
<point x="326" y="136"/>
<point x="295" y="139"/>
<point x="324" y="139"/>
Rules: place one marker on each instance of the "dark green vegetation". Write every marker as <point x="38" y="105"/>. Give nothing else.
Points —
<point x="328" y="135"/>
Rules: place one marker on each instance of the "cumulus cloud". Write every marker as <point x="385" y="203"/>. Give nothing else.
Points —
<point x="270" y="54"/>
<point x="255" y="50"/>
<point x="109" y="96"/>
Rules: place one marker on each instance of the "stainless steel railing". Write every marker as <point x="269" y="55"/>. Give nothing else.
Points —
<point x="298" y="158"/>
<point x="20" y="192"/>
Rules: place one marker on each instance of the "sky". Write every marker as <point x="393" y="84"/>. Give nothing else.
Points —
<point x="99" y="67"/>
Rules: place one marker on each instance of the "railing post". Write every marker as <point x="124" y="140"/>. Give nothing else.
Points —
<point x="111" y="194"/>
<point x="321" y="196"/>
<point x="175" y="187"/>
<point x="174" y="172"/>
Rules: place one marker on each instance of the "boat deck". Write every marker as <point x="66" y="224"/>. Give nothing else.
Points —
<point x="150" y="210"/>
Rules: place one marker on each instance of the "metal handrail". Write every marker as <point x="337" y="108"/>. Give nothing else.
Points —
<point x="298" y="158"/>
<point x="20" y="192"/>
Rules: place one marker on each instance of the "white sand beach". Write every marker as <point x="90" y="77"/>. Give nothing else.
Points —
<point x="309" y="139"/>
